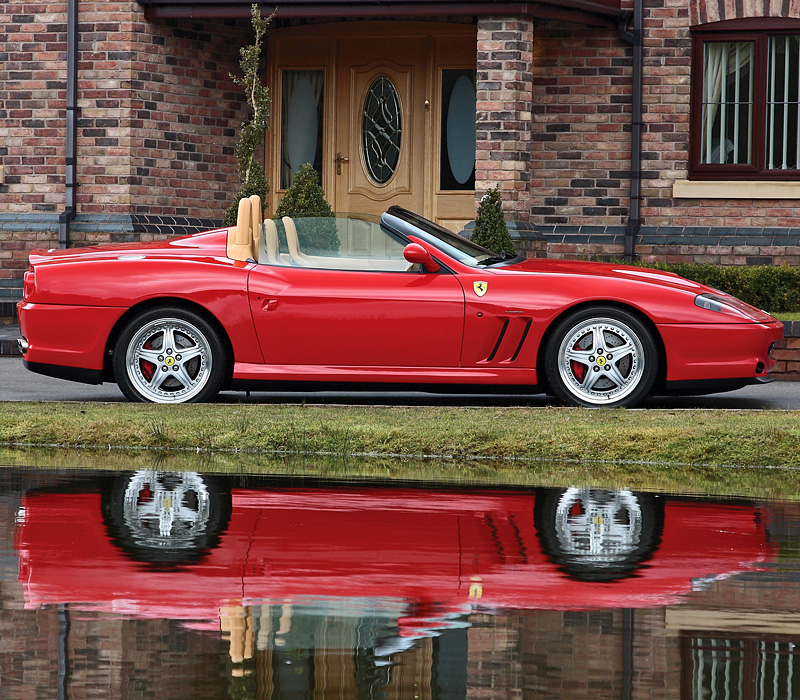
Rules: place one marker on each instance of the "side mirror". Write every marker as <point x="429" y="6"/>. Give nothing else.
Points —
<point x="417" y="255"/>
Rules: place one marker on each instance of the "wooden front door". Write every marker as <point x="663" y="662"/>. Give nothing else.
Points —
<point x="382" y="110"/>
<point x="380" y="125"/>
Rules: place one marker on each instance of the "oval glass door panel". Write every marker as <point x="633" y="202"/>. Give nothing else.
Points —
<point x="461" y="130"/>
<point x="381" y="131"/>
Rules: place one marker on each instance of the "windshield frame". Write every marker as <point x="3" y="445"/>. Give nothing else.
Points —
<point x="457" y="247"/>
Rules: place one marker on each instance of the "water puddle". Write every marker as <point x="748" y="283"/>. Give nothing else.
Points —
<point x="183" y="584"/>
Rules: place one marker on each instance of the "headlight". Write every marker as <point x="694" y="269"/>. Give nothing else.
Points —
<point x="724" y="304"/>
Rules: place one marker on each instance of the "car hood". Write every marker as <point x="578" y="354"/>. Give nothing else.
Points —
<point x="604" y="270"/>
<point x="207" y="243"/>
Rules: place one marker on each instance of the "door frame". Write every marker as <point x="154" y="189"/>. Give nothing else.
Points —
<point x="316" y="47"/>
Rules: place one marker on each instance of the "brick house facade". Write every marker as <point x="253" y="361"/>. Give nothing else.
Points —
<point x="158" y="116"/>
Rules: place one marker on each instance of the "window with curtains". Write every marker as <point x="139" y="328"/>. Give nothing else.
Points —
<point x="746" y="102"/>
<point x="302" y="93"/>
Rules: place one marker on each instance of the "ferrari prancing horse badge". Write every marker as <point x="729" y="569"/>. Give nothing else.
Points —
<point x="480" y="288"/>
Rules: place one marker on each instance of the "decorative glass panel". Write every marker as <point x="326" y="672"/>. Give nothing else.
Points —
<point x="301" y="122"/>
<point x="381" y="131"/>
<point x="783" y="127"/>
<point x="728" y="102"/>
<point x="457" y="161"/>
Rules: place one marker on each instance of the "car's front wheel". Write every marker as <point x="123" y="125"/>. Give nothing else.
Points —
<point x="169" y="355"/>
<point x="601" y="356"/>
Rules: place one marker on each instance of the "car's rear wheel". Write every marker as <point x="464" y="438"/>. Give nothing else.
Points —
<point x="601" y="356"/>
<point x="169" y="355"/>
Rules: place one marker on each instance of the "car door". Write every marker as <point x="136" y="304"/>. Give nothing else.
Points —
<point x="357" y="318"/>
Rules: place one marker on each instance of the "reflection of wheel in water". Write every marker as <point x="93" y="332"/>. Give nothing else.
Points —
<point x="166" y="518"/>
<point x="595" y="535"/>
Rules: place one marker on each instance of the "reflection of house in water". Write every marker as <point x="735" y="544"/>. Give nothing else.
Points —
<point x="335" y="657"/>
<point x="343" y="635"/>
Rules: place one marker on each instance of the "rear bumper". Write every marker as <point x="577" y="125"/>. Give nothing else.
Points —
<point x="72" y="374"/>
<point x="65" y="336"/>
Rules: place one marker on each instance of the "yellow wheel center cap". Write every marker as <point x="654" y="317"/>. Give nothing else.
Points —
<point x="169" y="361"/>
<point x="601" y="361"/>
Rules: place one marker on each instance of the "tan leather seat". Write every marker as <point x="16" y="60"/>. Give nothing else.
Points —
<point x="293" y="242"/>
<point x="240" y="240"/>
<point x="256" y="213"/>
<point x="271" y="243"/>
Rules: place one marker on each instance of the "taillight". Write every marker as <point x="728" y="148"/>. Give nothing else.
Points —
<point x="28" y="284"/>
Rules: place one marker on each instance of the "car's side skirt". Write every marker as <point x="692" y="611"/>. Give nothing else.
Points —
<point x="246" y="372"/>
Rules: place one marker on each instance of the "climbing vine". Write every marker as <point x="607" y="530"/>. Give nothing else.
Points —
<point x="252" y="178"/>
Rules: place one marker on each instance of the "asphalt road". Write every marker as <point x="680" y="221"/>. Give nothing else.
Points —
<point x="18" y="384"/>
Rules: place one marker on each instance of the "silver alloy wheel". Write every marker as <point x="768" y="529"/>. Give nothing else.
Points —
<point x="168" y="360"/>
<point x="601" y="361"/>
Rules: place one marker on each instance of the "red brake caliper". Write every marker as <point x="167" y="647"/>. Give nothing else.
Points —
<point x="148" y="368"/>
<point x="578" y="370"/>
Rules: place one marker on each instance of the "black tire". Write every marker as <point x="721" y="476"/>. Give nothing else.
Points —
<point x="190" y="372"/>
<point x="622" y="373"/>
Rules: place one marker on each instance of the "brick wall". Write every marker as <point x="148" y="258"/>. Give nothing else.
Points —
<point x="157" y="124"/>
<point x="32" y="100"/>
<point x="580" y="145"/>
<point x="503" y="92"/>
<point x="787" y="353"/>
<point x="580" y="142"/>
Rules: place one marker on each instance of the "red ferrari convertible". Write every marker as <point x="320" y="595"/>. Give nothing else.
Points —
<point x="391" y="300"/>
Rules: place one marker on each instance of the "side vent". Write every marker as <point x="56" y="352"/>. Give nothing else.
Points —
<point x="521" y="340"/>
<point x="503" y="354"/>
<point x="499" y="340"/>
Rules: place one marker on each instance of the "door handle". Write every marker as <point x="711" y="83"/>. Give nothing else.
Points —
<point x="269" y="305"/>
<point x="339" y="160"/>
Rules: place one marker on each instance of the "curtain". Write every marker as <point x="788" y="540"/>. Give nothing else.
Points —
<point x="291" y="78"/>
<point x="727" y="87"/>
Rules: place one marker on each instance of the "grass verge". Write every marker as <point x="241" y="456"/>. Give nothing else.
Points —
<point x="676" y="437"/>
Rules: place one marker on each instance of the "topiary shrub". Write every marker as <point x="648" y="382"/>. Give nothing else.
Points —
<point x="490" y="225"/>
<point x="305" y="201"/>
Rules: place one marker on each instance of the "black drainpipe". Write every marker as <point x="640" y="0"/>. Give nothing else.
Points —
<point x="68" y="214"/>
<point x="635" y="38"/>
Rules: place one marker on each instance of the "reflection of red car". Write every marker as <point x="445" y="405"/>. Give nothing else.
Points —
<point x="429" y="552"/>
<point x="394" y="300"/>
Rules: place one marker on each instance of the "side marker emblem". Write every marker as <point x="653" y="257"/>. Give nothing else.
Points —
<point x="480" y="288"/>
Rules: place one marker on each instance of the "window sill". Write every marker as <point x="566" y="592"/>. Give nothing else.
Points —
<point x="735" y="189"/>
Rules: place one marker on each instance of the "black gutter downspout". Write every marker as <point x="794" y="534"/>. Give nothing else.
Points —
<point x="68" y="214"/>
<point x="635" y="38"/>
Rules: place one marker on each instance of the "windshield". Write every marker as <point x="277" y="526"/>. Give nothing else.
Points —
<point x="409" y="224"/>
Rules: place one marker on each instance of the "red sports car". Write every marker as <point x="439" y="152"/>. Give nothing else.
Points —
<point x="394" y="300"/>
